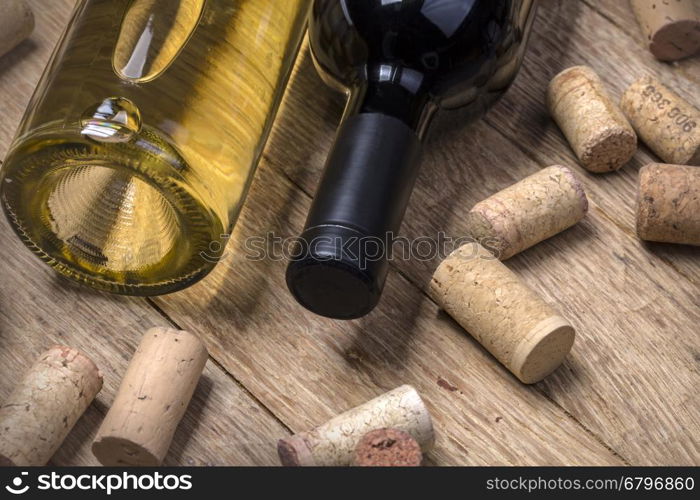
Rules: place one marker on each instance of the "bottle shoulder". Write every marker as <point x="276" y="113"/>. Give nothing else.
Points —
<point x="443" y="49"/>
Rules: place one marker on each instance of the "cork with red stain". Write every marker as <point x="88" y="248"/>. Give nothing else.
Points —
<point x="333" y="443"/>
<point x="387" y="448"/>
<point x="45" y="405"/>
<point x="528" y="212"/>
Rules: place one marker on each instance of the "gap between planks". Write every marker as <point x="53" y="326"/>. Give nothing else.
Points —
<point x="221" y="367"/>
<point x="402" y="274"/>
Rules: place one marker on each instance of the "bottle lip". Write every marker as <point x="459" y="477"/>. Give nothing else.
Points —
<point x="330" y="277"/>
<point x="332" y="288"/>
<point x="26" y="178"/>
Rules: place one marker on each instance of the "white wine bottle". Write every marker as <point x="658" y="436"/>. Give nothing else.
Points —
<point x="132" y="161"/>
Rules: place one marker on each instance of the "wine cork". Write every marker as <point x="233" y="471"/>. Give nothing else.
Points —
<point x="509" y="319"/>
<point x="596" y="129"/>
<point x="152" y="399"/>
<point x="529" y="211"/>
<point x="334" y="443"/>
<point x="45" y="406"/>
<point x="671" y="27"/>
<point x="387" y="448"/>
<point x="664" y="121"/>
<point x="16" y="24"/>
<point x="668" y="204"/>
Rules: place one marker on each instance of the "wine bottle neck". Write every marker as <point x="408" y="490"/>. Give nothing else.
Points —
<point x="399" y="97"/>
<point x="342" y="262"/>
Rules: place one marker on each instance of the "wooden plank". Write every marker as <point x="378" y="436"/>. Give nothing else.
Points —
<point x="223" y="425"/>
<point x="306" y="368"/>
<point x="617" y="380"/>
<point x="570" y="33"/>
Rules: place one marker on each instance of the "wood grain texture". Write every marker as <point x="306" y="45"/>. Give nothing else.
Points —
<point x="306" y="368"/>
<point x="626" y="394"/>
<point x="223" y="425"/>
<point x="608" y="283"/>
<point x="570" y="33"/>
<point x="599" y="277"/>
<point x="21" y="68"/>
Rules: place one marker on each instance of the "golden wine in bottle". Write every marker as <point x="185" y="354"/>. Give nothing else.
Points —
<point x="132" y="161"/>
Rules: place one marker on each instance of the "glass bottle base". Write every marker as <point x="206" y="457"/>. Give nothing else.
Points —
<point x="118" y="217"/>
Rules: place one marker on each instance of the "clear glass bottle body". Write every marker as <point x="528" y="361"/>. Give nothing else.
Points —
<point x="132" y="161"/>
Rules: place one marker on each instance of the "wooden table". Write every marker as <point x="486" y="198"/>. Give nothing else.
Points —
<point x="628" y="393"/>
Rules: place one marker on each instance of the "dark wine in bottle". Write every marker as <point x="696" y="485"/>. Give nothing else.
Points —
<point x="400" y="61"/>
